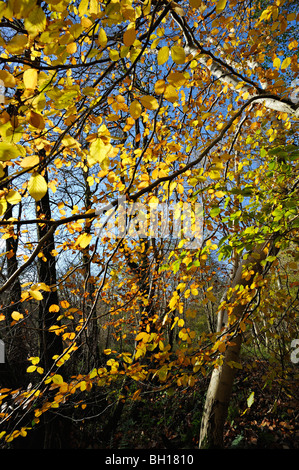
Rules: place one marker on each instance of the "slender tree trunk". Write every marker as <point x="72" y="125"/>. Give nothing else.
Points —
<point x="92" y="353"/>
<point x="222" y="379"/>
<point x="54" y="432"/>
<point x="14" y="367"/>
<point x="51" y="344"/>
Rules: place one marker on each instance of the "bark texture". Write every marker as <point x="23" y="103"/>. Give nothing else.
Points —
<point x="222" y="379"/>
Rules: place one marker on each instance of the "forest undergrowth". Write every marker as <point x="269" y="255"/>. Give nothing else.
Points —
<point x="171" y="419"/>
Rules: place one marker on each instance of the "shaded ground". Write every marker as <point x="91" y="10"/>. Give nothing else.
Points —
<point x="172" y="421"/>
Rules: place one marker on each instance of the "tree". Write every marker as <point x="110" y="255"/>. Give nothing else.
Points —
<point x="190" y="105"/>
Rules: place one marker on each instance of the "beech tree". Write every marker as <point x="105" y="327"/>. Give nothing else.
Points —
<point x="191" y="105"/>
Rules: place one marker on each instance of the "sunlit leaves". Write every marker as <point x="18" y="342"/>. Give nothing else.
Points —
<point x="221" y="4"/>
<point x="36" y="21"/>
<point x="8" y="151"/>
<point x="7" y="78"/>
<point x="149" y="102"/>
<point x="178" y="54"/>
<point x="17" y="316"/>
<point x="163" y="55"/>
<point x="30" y="78"/>
<point x="102" y="37"/>
<point x="129" y="36"/>
<point x="83" y="240"/>
<point x="13" y="197"/>
<point x="30" y="161"/>
<point x="101" y="152"/>
<point x="37" y="186"/>
<point x="34" y="361"/>
<point x="135" y="109"/>
<point x="286" y="62"/>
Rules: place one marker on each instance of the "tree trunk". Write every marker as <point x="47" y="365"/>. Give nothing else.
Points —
<point x="51" y="344"/>
<point x="222" y="379"/>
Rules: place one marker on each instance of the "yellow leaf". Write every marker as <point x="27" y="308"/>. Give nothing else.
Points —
<point x="102" y="38"/>
<point x="149" y="102"/>
<point x="17" y="316"/>
<point x="31" y="369"/>
<point x="114" y="55"/>
<point x="163" y="55"/>
<point x="129" y="37"/>
<point x="160" y="87"/>
<point x="37" y="186"/>
<point x="35" y="360"/>
<point x="7" y="78"/>
<point x="285" y="63"/>
<point x="135" y="109"/>
<point x="30" y="161"/>
<point x="36" y="294"/>
<point x="83" y="240"/>
<point x="57" y="379"/>
<point x="219" y="194"/>
<point x="195" y="3"/>
<point x="30" y="78"/>
<point x="177" y="79"/>
<point x="13" y="197"/>
<point x="276" y="62"/>
<point x="8" y="151"/>
<point x="171" y="94"/>
<point x="36" y="21"/>
<point x="178" y="55"/>
<point x="3" y="206"/>
<point x="64" y="304"/>
<point x="54" y="308"/>
<point x="173" y="301"/>
<point x="221" y="4"/>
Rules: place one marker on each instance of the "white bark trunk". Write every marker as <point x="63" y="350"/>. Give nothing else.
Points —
<point x="221" y="383"/>
<point x="225" y="73"/>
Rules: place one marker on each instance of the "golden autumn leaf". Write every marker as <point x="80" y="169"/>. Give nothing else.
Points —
<point x="30" y="78"/>
<point x="286" y="62"/>
<point x="36" y="294"/>
<point x="102" y="38"/>
<point x="54" y="308"/>
<point x="36" y="120"/>
<point x="135" y="109"/>
<point x="149" y="102"/>
<point x="13" y="197"/>
<point x="221" y="4"/>
<point x="171" y="94"/>
<point x="30" y="161"/>
<point x="57" y="379"/>
<point x="178" y="54"/>
<point x="17" y="316"/>
<point x="37" y="186"/>
<point x="163" y="55"/>
<point x="8" y="151"/>
<point x="7" y="78"/>
<point x="195" y="3"/>
<point x="83" y="240"/>
<point x="129" y="36"/>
